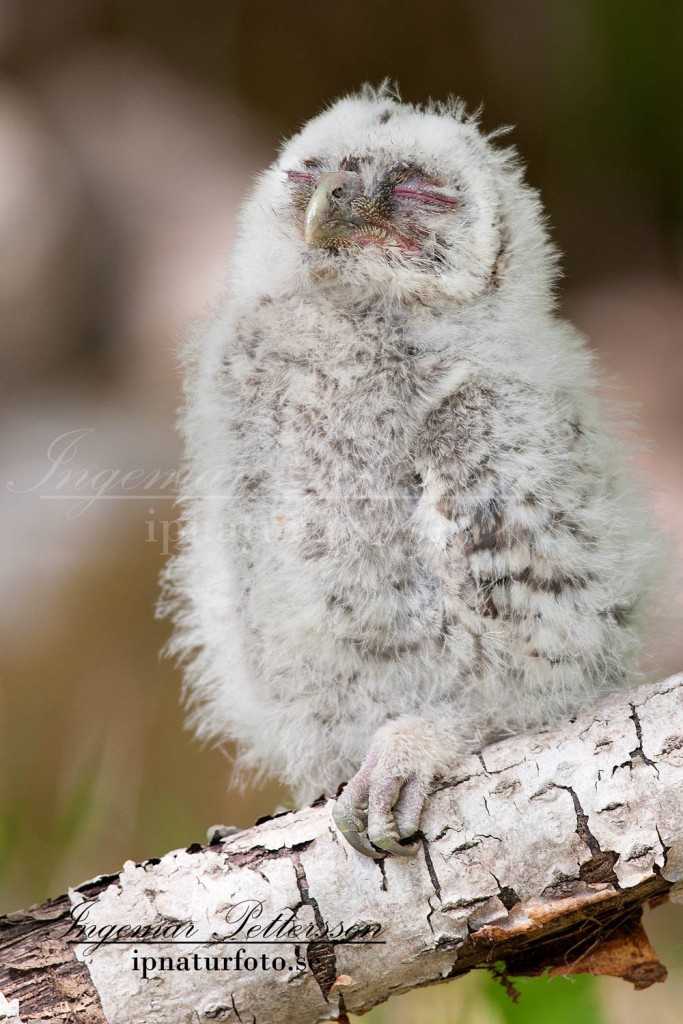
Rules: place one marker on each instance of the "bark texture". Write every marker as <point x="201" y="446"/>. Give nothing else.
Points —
<point x="540" y="854"/>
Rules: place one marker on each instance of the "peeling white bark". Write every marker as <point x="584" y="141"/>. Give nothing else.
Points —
<point x="9" y="1011"/>
<point x="522" y="856"/>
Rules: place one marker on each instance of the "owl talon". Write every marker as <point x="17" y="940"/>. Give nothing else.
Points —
<point x="351" y="823"/>
<point x="377" y="810"/>
<point x="390" y="845"/>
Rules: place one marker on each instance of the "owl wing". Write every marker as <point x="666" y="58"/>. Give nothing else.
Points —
<point x="520" y="521"/>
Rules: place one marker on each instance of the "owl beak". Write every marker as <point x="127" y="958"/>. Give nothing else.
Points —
<point x="330" y="215"/>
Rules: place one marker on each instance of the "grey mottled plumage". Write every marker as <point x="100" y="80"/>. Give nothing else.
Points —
<point x="407" y="528"/>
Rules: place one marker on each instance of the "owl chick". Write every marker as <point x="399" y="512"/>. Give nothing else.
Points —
<point x="406" y="531"/>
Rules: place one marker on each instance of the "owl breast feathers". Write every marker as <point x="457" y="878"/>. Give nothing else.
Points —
<point x="407" y="529"/>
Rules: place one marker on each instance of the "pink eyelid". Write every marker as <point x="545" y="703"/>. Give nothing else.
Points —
<point x="299" y="176"/>
<point x="407" y="191"/>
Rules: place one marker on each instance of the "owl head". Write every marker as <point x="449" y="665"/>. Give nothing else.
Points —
<point x="379" y="199"/>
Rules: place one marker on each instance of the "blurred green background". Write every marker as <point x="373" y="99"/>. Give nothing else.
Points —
<point x="129" y="131"/>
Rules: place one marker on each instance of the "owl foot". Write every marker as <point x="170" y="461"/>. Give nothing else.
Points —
<point x="379" y="807"/>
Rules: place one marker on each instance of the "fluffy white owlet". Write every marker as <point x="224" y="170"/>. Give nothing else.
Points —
<point x="407" y="530"/>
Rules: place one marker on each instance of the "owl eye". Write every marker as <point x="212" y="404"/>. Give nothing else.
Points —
<point x="304" y="176"/>
<point x="423" y="192"/>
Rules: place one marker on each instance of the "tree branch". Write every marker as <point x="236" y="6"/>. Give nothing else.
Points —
<point x="540" y="854"/>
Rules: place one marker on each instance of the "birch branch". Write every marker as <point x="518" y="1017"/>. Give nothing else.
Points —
<point x="539" y="854"/>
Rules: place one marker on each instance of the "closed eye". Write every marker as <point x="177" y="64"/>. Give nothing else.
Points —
<point x="304" y="176"/>
<point x="421" y="192"/>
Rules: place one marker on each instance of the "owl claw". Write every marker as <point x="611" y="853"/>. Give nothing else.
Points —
<point x="390" y="845"/>
<point x="350" y="812"/>
<point x="358" y="841"/>
<point x="378" y="809"/>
